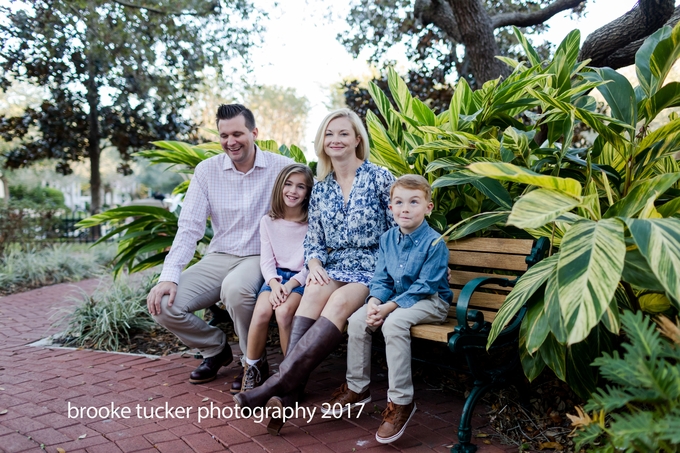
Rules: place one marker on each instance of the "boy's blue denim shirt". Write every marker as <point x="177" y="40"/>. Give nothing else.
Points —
<point x="410" y="268"/>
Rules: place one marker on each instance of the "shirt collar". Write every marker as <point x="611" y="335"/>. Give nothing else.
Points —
<point x="417" y="235"/>
<point x="260" y="160"/>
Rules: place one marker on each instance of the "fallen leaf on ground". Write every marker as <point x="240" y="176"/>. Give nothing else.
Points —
<point x="550" y="446"/>
<point x="60" y="450"/>
<point x="3" y="412"/>
<point x="82" y="436"/>
<point x="205" y="399"/>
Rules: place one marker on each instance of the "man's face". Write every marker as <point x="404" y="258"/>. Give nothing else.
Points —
<point x="238" y="142"/>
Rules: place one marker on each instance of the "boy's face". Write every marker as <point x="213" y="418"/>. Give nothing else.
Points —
<point x="409" y="208"/>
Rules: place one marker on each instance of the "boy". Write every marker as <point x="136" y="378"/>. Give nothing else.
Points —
<point x="409" y="287"/>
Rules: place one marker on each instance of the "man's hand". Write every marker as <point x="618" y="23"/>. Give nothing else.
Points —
<point x="153" y="300"/>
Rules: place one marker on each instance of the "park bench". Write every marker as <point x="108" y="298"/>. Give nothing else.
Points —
<point x="483" y="271"/>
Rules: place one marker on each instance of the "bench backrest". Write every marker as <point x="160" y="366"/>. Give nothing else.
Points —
<point x="479" y="257"/>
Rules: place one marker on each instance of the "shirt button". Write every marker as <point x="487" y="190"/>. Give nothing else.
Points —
<point x="401" y="265"/>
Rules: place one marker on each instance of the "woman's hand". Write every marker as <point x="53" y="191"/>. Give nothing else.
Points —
<point x="317" y="274"/>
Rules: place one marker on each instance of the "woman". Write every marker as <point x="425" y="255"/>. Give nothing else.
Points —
<point x="348" y="212"/>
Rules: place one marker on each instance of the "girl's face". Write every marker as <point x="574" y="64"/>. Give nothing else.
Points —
<point x="340" y="139"/>
<point x="294" y="190"/>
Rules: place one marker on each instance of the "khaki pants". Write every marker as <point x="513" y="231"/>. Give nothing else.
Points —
<point x="234" y="280"/>
<point x="397" y="332"/>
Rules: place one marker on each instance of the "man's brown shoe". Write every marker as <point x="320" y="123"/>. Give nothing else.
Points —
<point x="254" y="375"/>
<point x="395" y="419"/>
<point x="345" y="400"/>
<point x="207" y="370"/>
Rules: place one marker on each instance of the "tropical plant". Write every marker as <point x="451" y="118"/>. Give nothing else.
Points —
<point x="502" y="161"/>
<point x="144" y="241"/>
<point x="640" y="411"/>
<point x="115" y="309"/>
<point x="619" y="242"/>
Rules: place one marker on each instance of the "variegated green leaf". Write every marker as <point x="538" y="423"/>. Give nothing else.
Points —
<point x="447" y="163"/>
<point x="668" y="96"/>
<point x="400" y="93"/>
<point x="423" y="113"/>
<point x="534" y="327"/>
<point x="476" y="223"/>
<point x="553" y="310"/>
<point x="659" y="143"/>
<point x="618" y="93"/>
<point x="658" y="241"/>
<point x="384" y="151"/>
<point x="510" y="172"/>
<point x="455" y="179"/>
<point x="531" y="54"/>
<point x="664" y="56"/>
<point x="636" y="270"/>
<point x="636" y="199"/>
<point x="554" y="355"/>
<point x="648" y="81"/>
<point x="539" y="207"/>
<point x="532" y="365"/>
<point x="526" y="286"/>
<point x="670" y="208"/>
<point x="589" y="268"/>
<point x="494" y="190"/>
<point x="268" y="145"/>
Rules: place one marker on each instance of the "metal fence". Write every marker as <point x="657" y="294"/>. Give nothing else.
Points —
<point x="65" y="230"/>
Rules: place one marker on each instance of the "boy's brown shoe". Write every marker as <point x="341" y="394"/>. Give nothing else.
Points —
<point x="395" y="419"/>
<point x="345" y="400"/>
<point x="254" y="375"/>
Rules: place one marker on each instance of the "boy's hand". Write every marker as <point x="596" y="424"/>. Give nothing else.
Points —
<point x="376" y="313"/>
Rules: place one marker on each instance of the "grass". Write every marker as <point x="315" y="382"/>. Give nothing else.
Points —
<point x="108" y="316"/>
<point x="24" y="267"/>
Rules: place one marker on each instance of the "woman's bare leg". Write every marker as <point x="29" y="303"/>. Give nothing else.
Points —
<point x="343" y="302"/>
<point x="315" y="298"/>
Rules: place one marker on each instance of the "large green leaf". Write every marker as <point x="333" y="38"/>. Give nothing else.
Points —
<point x="636" y="270"/>
<point x="494" y="190"/>
<point x="476" y="223"/>
<point x="636" y="199"/>
<point x="553" y="310"/>
<point x="618" y="93"/>
<point x="530" y="52"/>
<point x="510" y="172"/>
<point x="461" y="103"/>
<point x="642" y="60"/>
<point x="534" y="327"/>
<point x="581" y="375"/>
<point x="539" y="207"/>
<point x="455" y="179"/>
<point x="423" y="113"/>
<point x="525" y="288"/>
<point x="659" y="143"/>
<point x="668" y="96"/>
<point x="670" y="208"/>
<point x="532" y="365"/>
<point x="400" y="93"/>
<point x="664" y="56"/>
<point x="659" y="243"/>
<point x="384" y="152"/>
<point x="554" y="355"/>
<point x="588" y="271"/>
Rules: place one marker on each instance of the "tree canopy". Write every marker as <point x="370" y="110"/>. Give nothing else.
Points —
<point x="119" y="72"/>
<point x="466" y="35"/>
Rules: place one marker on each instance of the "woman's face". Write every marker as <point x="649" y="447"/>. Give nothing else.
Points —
<point x="340" y="140"/>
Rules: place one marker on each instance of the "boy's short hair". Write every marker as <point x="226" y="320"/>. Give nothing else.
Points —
<point x="413" y="182"/>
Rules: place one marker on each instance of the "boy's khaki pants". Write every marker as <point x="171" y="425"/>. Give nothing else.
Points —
<point x="235" y="280"/>
<point x="397" y="332"/>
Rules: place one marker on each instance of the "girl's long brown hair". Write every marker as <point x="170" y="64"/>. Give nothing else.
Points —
<point x="278" y="207"/>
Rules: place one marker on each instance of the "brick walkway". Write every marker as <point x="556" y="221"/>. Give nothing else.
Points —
<point x="37" y="384"/>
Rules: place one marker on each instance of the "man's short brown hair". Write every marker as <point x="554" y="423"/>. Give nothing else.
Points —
<point x="229" y="111"/>
<point x="413" y="182"/>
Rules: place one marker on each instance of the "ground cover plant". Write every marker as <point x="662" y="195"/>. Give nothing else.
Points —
<point x="28" y="266"/>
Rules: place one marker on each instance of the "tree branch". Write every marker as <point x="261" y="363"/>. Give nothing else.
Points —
<point x="645" y="18"/>
<point x="625" y="56"/>
<point x="152" y="9"/>
<point x="534" y="17"/>
<point x="439" y="13"/>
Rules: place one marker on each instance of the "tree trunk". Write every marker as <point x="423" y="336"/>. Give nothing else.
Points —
<point x="477" y="35"/>
<point x="93" y="121"/>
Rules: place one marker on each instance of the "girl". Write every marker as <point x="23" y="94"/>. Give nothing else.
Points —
<point x="282" y="233"/>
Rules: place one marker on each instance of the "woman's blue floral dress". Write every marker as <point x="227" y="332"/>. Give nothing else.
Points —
<point x="345" y="238"/>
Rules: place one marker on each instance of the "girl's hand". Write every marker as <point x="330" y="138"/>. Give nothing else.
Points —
<point x="278" y="294"/>
<point x="317" y="275"/>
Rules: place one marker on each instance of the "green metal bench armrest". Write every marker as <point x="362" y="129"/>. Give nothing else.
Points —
<point x="463" y="315"/>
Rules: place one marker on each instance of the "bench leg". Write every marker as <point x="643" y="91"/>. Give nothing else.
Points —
<point x="219" y="315"/>
<point x="465" y="428"/>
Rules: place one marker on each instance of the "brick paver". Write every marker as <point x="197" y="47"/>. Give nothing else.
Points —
<point x="92" y="401"/>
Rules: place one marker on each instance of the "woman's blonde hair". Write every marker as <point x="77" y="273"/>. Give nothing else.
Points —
<point x="278" y="207"/>
<point x="325" y="166"/>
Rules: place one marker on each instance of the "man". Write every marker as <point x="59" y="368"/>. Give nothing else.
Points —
<point x="234" y="190"/>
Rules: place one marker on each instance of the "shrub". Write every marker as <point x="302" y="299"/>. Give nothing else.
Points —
<point x="115" y="309"/>
<point x="31" y="266"/>
<point x="47" y="196"/>
<point x="640" y="411"/>
<point x="25" y="221"/>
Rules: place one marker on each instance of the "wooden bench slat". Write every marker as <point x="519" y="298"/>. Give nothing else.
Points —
<point x="493" y="245"/>
<point x="488" y="260"/>
<point x="460" y="278"/>
<point x="481" y="300"/>
<point x="442" y="332"/>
